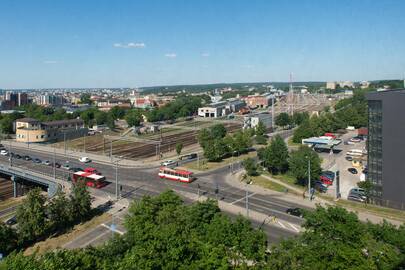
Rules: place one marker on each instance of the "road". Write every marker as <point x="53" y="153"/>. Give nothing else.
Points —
<point x="139" y="182"/>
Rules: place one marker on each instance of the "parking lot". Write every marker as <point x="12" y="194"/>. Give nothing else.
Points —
<point x="338" y="161"/>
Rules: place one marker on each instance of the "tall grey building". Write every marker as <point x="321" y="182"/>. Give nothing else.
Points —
<point x="386" y="147"/>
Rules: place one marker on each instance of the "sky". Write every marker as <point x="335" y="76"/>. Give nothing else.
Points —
<point x="135" y="43"/>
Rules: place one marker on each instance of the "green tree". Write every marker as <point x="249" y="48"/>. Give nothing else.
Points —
<point x="110" y="122"/>
<point x="260" y="129"/>
<point x="58" y="214"/>
<point x="133" y="118"/>
<point x="100" y="117"/>
<point x="31" y="216"/>
<point x="367" y="186"/>
<point x="85" y="99"/>
<point x="179" y="147"/>
<point x="275" y="156"/>
<point x="218" y="131"/>
<point x="117" y="112"/>
<point x="298" y="164"/>
<point x="80" y="203"/>
<point x="300" y="117"/>
<point x="215" y="150"/>
<point x="283" y="120"/>
<point x="8" y="239"/>
<point x="249" y="164"/>
<point x="6" y="125"/>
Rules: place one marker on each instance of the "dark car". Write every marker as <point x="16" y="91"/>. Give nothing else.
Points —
<point x="355" y="198"/>
<point x="321" y="187"/>
<point x="17" y="156"/>
<point x="75" y="169"/>
<point x="11" y="221"/>
<point x="365" y="171"/>
<point x="295" y="212"/>
<point x="352" y="170"/>
<point x="349" y="158"/>
<point x="358" y="192"/>
<point x="36" y="160"/>
<point x="57" y="165"/>
<point x="27" y="158"/>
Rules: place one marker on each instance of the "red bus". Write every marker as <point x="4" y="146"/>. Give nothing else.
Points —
<point x="92" y="170"/>
<point x="90" y="179"/>
<point x="176" y="175"/>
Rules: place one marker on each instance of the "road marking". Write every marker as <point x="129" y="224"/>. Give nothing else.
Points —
<point x="115" y="230"/>
<point x="293" y="226"/>
<point x="281" y="224"/>
<point x="94" y="239"/>
<point x="243" y="198"/>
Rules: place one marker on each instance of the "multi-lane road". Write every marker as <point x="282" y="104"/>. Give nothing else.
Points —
<point x="137" y="182"/>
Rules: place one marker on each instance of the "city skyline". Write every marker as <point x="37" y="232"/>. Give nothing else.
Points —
<point x="72" y="44"/>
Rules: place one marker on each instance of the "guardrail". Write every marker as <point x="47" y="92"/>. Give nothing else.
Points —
<point x="32" y="177"/>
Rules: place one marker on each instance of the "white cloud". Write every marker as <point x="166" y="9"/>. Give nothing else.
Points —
<point x="205" y="54"/>
<point x="129" y="45"/>
<point x="50" y="62"/>
<point x="171" y="55"/>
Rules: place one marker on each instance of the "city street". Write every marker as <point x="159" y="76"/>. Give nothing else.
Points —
<point x="137" y="182"/>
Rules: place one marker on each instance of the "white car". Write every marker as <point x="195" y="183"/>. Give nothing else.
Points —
<point x="84" y="159"/>
<point x="169" y="163"/>
<point x="3" y="152"/>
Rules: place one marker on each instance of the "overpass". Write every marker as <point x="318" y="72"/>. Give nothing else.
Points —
<point x="16" y="174"/>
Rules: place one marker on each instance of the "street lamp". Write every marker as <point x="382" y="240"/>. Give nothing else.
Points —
<point x="309" y="177"/>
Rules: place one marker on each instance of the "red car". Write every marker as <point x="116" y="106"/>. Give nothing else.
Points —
<point x="326" y="180"/>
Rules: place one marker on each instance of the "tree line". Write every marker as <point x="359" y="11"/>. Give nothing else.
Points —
<point x="347" y="112"/>
<point x="38" y="218"/>
<point x="165" y="233"/>
<point x="182" y="106"/>
<point x="218" y="144"/>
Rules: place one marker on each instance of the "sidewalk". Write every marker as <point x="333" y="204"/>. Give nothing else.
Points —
<point x="234" y="180"/>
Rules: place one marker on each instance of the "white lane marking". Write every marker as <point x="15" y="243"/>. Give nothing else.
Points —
<point x="94" y="239"/>
<point x="115" y="230"/>
<point x="293" y="226"/>
<point x="243" y="198"/>
<point x="281" y="224"/>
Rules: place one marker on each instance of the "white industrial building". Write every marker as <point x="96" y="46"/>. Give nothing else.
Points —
<point x="253" y="121"/>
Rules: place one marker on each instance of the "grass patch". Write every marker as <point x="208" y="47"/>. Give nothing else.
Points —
<point x="53" y="243"/>
<point x="291" y="143"/>
<point x="286" y="178"/>
<point x="374" y="209"/>
<point x="266" y="183"/>
<point x="10" y="202"/>
<point x="204" y="165"/>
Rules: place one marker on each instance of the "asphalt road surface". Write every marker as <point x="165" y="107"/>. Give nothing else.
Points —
<point x="137" y="182"/>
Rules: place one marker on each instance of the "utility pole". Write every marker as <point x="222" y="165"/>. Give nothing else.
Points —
<point x="116" y="180"/>
<point x="272" y="112"/>
<point x="84" y="143"/>
<point x="54" y="167"/>
<point x="10" y="154"/>
<point x="247" y="202"/>
<point x="64" y="141"/>
<point x="309" y="178"/>
<point x="111" y="157"/>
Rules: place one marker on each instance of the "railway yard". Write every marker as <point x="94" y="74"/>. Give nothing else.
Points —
<point x="162" y="143"/>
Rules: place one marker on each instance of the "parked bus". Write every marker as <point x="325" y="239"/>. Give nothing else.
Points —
<point x="176" y="175"/>
<point x="89" y="179"/>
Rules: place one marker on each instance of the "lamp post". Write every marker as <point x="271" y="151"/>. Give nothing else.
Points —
<point x="309" y="178"/>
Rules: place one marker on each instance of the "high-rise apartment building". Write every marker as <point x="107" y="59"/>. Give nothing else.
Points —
<point x="386" y="147"/>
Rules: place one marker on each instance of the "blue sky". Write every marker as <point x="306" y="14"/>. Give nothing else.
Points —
<point x="105" y="43"/>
